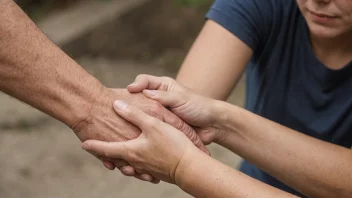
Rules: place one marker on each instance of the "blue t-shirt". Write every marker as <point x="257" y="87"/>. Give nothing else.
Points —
<point x="286" y="83"/>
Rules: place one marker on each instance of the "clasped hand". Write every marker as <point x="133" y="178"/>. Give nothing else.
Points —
<point x="160" y="148"/>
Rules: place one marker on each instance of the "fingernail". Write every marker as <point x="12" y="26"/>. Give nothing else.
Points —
<point x="85" y="146"/>
<point x="120" y="104"/>
<point x="145" y="177"/>
<point x="128" y="171"/>
<point x="151" y="92"/>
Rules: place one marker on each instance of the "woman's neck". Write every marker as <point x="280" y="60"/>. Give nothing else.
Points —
<point x="335" y="53"/>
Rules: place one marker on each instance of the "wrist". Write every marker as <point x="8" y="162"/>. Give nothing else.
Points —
<point x="220" y="119"/>
<point x="97" y="97"/>
<point x="186" y="162"/>
<point x="192" y="171"/>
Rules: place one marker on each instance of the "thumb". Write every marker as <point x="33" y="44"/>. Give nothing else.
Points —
<point x="144" y="81"/>
<point x="107" y="149"/>
<point x="166" y="98"/>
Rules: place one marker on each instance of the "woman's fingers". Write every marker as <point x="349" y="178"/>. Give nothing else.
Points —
<point x="165" y="98"/>
<point x="135" y="116"/>
<point x="107" y="149"/>
<point x="144" y="81"/>
<point x="148" y="178"/>
<point x="144" y="177"/>
<point x="109" y="165"/>
<point x="155" y="181"/>
<point x="128" y="171"/>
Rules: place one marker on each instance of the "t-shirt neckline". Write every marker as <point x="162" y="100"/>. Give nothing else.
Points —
<point x="321" y="66"/>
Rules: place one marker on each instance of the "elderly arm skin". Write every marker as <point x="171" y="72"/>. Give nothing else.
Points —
<point x="35" y="71"/>
<point x="311" y="166"/>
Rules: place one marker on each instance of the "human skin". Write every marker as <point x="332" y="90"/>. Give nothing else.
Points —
<point x="311" y="166"/>
<point x="37" y="72"/>
<point x="218" y="58"/>
<point x="330" y="27"/>
<point x="167" y="154"/>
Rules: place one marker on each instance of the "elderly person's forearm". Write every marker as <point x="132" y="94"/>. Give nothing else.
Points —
<point x="36" y="71"/>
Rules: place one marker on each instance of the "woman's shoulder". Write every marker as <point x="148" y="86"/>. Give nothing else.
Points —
<point x="253" y="21"/>
<point x="255" y="7"/>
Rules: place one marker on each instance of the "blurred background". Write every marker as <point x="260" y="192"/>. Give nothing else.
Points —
<point x="114" y="40"/>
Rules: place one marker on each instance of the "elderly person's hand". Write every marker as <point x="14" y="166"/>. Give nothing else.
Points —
<point x="103" y="124"/>
<point x="159" y="150"/>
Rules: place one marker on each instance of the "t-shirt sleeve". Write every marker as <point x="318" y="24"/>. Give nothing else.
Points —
<point x="249" y="20"/>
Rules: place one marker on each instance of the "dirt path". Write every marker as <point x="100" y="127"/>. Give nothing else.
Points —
<point x="45" y="160"/>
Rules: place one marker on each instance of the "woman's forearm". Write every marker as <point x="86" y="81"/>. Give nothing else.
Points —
<point x="311" y="166"/>
<point x="223" y="58"/>
<point x="202" y="176"/>
<point x="37" y="72"/>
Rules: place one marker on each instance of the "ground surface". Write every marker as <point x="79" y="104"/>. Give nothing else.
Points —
<point x="41" y="157"/>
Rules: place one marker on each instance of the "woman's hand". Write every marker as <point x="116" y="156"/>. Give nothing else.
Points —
<point x="194" y="109"/>
<point x="157" y="151"/>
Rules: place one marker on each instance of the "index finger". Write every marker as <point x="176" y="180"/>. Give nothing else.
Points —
<point x="135" y="116"/>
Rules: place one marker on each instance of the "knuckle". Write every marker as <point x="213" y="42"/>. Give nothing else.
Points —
<point x="193" y="137"/>
<point x="174" y="122"/>
<point x="130" y="156"/>
<point x="167" y="83"/>
<point x="156" y="110"/>
<point x="183" y="126"/>
<point x="157" y="105"/>
<point x="178" y="124"/>
<point x="154" y="113"/>
<point x="189" y="132"/>
<point x="167" y="79"/>
<point x="141" y="76"/>
<point x="196" y="140"/>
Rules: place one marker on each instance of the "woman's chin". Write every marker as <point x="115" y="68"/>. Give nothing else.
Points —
<point x="323" y="32"/>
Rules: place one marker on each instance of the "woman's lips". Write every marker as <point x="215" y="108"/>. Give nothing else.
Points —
<point x="322" y="18"/>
